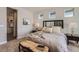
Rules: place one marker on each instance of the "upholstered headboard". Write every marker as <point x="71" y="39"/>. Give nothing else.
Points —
<point x="50" y="23"/>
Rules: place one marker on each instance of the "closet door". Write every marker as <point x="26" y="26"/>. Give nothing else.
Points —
<point x="11" y="24"/>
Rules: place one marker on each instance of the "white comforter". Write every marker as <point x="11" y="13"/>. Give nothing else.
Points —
<point x="55" y="41"/>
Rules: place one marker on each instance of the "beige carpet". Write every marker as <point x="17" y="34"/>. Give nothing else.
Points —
<point x="12" y="46"/>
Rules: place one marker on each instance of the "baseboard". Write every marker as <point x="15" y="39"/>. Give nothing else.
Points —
<point x="3" y="42"/>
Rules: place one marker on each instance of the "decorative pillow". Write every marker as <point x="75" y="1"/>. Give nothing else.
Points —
<point x="44" y="29"/>
<point x="56" y="29"/>
<point x="47" y="29"/>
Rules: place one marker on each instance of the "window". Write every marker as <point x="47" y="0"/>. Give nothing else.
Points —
<point x="52" y="15"/>
<point x="69" y="12"/>
<point x="40" y="16"/>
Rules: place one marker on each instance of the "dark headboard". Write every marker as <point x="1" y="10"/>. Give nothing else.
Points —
<point x="53" y="23"/>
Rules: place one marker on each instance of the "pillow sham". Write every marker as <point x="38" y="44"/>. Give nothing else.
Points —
<point x="47" y="29"/>
<point x="56" y="29"/>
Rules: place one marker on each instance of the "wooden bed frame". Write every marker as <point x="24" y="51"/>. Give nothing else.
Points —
<point x="55" y="23"/>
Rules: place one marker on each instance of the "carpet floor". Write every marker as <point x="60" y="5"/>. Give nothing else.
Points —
<point x="12" y="46"/>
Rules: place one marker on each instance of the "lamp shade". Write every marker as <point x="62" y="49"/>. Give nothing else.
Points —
<point x="72" y="27"/>
<point x="36" y="25"/>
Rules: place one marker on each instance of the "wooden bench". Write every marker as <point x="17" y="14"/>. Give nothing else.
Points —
<point x="30" y="46"/>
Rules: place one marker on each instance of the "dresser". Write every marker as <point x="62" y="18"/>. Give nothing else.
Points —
<point x="72" y="37"/>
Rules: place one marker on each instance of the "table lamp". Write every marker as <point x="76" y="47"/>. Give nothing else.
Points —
<point x="73" y="27"/>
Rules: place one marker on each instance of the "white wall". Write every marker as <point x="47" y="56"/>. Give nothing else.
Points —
<point x="3" y="25"/>
<point x="24" y="29"/>
<point x="21" y="29"/>
<point x="59" y="16"/>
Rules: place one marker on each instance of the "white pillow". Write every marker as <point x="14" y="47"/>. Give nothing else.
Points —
<point x="56" y="29"/>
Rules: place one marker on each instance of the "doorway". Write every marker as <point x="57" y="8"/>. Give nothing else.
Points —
<point x="11" y="24"/>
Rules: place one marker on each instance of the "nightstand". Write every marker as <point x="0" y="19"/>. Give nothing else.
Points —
<point x="33" y="31"/>
<point x="72" y="37"/>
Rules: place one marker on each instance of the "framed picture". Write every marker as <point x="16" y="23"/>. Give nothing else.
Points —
<point x="25" y="22"/>
<point x="40" y="16"/>
<point x="52" y="15"/>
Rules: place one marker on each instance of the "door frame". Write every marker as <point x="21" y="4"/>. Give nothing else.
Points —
<point x="7" y="20"/>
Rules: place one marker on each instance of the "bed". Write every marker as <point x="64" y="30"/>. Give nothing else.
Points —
<point x="55" y="41"/>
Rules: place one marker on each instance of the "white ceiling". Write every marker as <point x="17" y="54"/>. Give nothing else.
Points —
<point x="36" y="9"/>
